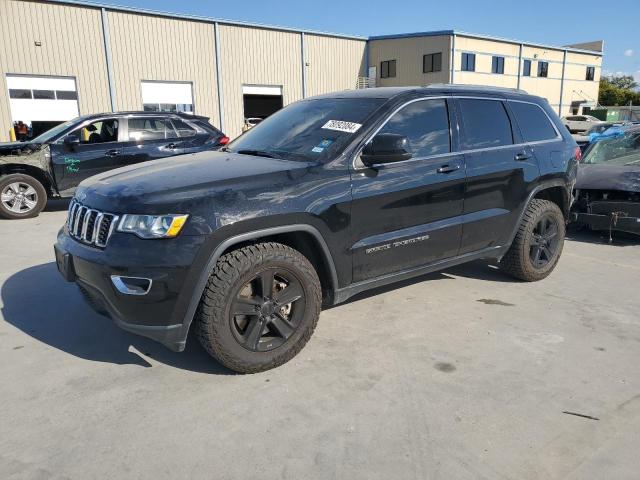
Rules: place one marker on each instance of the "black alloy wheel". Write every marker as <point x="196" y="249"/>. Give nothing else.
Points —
<point x="267" y="310"/>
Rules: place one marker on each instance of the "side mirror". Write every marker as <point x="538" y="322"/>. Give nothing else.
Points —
<point x="71" y="140"/>
<point x="386" y="148"/>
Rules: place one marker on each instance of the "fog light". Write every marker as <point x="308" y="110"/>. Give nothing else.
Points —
<point x="131" y="285"/>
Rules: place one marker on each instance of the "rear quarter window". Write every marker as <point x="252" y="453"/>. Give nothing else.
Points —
<point x="533" y="122"/>
<point x="486" y="124"/>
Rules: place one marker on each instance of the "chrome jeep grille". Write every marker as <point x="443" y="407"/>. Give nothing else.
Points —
<point x="90" y="226"/>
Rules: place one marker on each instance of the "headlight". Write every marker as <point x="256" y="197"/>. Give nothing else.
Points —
<point x="153" y="226"/>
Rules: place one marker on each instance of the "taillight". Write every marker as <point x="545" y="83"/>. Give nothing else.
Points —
<point x="224" y="140"/>
<point x="578" y="154"/>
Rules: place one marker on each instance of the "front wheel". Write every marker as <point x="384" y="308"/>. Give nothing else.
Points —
<point x="21" y="196"/>
<point x="536" y="249"/>
<point x="259" y="308"/>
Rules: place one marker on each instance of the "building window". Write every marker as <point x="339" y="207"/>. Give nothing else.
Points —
<point x="468" y="62"/>
<point x="591" y="73"/>
<point x="526" y="68"/>
<point x="543" y="69"/>
<point x="44" y="94"/>
<point x="497" y="65"/>
<point x="19" y="93"/>
<point x="66" y="95"/>
<point x="432" y="63"/>
<point x="388" y="69"/>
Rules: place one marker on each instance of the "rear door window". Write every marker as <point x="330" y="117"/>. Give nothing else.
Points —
<point x="150" y="128"/>
<point x="486" y="124"/>
<point x="425" y="124"/>
<point x="533" y="122"/>
<point x="183" y="128"/>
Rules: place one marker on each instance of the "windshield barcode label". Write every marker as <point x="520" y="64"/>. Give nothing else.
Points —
<point x="342" y="126"/>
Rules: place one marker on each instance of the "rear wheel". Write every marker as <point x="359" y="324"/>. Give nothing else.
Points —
<point x="259" y="308"/>
<point x="536" y="249"/>
<point x="21" y="196"/>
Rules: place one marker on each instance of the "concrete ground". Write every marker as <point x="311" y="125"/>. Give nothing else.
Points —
<point x="464" y="374"/>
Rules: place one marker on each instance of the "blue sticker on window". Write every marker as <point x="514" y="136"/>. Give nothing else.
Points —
<point x="322" y="145"/>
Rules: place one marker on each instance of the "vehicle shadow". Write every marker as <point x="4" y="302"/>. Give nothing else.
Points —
<point x="39" y="303"/>
<point x="479" y="269"/>
<point x="619" y="239"/>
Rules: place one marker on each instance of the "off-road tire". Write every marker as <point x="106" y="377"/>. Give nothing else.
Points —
<point x="517" y="262"/>
<point x="41" y="194"/>
<point x="213" y="317"/>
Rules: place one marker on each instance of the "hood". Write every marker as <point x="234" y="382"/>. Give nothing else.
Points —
<point x="18" y="148"/>
<point x="609" y="177"/>
<point x="184" y="178"/>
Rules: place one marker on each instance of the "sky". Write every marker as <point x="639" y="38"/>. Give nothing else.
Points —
<point x="557" y="22"/>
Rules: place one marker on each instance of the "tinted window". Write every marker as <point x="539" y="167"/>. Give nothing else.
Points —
<point x="44" y="94"/>
<point x="432" y="63"/>
<point x="425" y="124"/>
<point x="66" y="95"/>
<point x="310" y="130"/>
<point x="543" y="69"/>
<point x="183" y="128"/>
<point x="151" y="128"/>
<point x="497" y="65"/>
<point x="19" y="93"/>
<point x="469" y="62"/>
<point x="533" y="122"/>
<point x="486" y="124"/>
<point x="526" y="68"/>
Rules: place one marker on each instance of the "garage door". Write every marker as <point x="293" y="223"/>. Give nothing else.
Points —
<point x="260" y="101"/>
<point x="42" y="102"/>
<point x="167" y="97"/>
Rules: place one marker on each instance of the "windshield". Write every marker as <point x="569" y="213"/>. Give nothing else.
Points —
<point x="55" y="131"/>
<point x="311" y="130"/>
<point x="622" y="150"/>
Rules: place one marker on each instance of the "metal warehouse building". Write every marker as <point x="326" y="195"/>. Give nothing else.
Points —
<point x="63" y="58"/>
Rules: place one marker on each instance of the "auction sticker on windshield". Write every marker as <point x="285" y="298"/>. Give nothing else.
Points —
<point x="342" y="126"/>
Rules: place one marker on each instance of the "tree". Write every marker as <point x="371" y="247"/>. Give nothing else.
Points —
<point x="613" y="94"/>
<point x="626" y="82"/>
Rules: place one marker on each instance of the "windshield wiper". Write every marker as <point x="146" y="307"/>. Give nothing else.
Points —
<point x="633" y="163"/>
<point x="257" y="153"/>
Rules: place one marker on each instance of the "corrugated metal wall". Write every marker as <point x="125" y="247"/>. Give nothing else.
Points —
<point x="252" y="56"/>
<point x="334" y="63"/>
<point x="72" y="46"/>
<point x="408" y="54"/>
<point x="144" y="47"/>
<point x="155" y="47"/>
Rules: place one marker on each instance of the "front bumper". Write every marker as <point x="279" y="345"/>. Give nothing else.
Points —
<point x="170" y="264"/>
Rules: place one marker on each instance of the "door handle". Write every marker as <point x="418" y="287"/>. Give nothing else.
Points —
<point x="172" y="146"/>
<point x="448" y="168"/>
<point x="112" y="153"/>
<point x="522" y="156"/>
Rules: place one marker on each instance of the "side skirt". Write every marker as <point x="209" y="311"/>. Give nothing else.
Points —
<point x="344" y="294"/>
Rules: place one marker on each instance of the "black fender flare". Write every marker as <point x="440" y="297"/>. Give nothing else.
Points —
<point x="558" y="182"/>
<point x="248" y="236"/>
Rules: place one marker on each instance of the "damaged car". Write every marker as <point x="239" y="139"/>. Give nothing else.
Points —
<point x="54" y="163"/>
<point x="607" y="195"/>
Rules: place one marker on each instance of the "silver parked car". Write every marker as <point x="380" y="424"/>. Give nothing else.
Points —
<point x="580" y="123"/>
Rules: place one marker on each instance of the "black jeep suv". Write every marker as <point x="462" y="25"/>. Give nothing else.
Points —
<point x="53" y="164"/>
<point x="328" y="197"/>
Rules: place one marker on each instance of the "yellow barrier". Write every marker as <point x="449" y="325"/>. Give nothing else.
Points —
<point x="12" y="134"/>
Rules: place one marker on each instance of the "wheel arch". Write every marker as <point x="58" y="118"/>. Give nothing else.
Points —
<point x="548" y="190"/>
<point x="296" y="236"/>
<point x="30" y="170"/>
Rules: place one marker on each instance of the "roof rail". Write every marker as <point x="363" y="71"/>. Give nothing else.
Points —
<point x="484" y="88"/>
